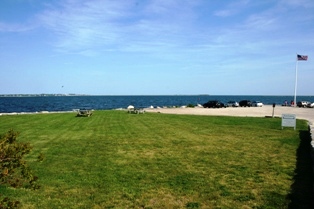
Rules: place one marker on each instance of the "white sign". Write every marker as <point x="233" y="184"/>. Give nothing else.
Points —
<point x="288" y="120"/>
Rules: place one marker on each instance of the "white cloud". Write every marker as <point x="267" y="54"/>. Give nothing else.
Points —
<point x="163" y="26"/>
<point x="89" y="24"/>
<point x="260" y="22"/>
<point x="117" y="24"/>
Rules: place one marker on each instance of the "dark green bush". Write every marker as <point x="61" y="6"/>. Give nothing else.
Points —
<point x="14" y="171"/>
<point x="190" y="105"/>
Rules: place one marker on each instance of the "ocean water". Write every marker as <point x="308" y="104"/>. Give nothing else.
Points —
<point x="68" y="103"/>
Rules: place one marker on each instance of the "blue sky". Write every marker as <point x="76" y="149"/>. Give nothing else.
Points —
<point x="156" y="47"/>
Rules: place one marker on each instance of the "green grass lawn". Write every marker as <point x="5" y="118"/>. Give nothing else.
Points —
<point x="119" y="160"/>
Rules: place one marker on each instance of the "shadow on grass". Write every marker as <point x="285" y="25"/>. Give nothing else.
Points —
<point x="302" y="194"/>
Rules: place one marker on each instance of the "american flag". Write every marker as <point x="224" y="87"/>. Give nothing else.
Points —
<point x="302" y="57"/>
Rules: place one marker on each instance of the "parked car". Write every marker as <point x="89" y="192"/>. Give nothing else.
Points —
<point x="214" y="104"/>
<point x="310" y="104"/>
<point x="257" y="104"/>
<point x="232" y="104"/>
<point x="245" y="103"/>
<point x="302" y="103"/>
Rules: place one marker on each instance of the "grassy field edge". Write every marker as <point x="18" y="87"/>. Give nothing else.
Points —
<point x="119" y="160"/>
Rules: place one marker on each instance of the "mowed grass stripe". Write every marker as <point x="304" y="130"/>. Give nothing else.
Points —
<point x="119" y="160"/>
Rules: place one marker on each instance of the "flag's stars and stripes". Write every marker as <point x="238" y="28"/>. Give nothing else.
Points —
<point x="302" y="57"/>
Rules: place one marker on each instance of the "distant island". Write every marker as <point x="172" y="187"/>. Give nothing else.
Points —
<point x="40" y="95"/>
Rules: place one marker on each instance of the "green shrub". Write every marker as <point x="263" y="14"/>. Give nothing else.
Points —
<point x="190" y="105"/>
<point x="14" y="171"/>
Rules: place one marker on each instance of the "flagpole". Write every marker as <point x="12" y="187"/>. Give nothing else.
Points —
<point x="295" y="84"/>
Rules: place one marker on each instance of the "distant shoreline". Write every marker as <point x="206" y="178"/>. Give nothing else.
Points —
<point x="40" y="95"/>
<point x="148" y="95"/>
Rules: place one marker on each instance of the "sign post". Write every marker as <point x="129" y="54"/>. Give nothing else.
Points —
<point x="288" y="120"/>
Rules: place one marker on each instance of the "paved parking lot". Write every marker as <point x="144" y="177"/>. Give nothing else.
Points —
<point x="266" y="110"/>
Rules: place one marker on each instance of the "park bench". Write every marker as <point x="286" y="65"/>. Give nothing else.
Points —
<point x="84" y="113"/>
<point x="136" y="110"/>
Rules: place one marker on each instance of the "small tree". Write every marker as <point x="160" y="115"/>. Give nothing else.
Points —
<point x="13" y="168"/>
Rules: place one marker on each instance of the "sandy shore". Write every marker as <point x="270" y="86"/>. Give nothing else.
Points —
<point x="266" y="110"/>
